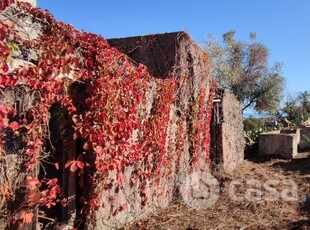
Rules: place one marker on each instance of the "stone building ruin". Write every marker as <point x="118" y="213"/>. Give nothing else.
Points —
<point x="170" y="55"/>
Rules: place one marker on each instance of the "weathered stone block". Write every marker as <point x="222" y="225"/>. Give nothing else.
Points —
<point x="278" y="144"/>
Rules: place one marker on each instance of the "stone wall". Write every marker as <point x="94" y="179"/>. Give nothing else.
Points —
<point x="232" y="132"/>
<point x="32" y="2"/>
<point x="227" y="144"/>
<point x="179" y="57"/>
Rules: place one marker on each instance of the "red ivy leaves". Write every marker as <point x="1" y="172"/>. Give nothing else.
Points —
<point x="4" y="50"/>
<point x="25" y="218"/>
<point x="47" y="196"/>
<point x="4" y="31"/>
<point x="207" y="138"/>
<point x="33" y="183"/>
<point x="75" y="165"/>
<point x="115" y="91"/>
<point x="14" y="126"/>
<point x="7" y="113"/>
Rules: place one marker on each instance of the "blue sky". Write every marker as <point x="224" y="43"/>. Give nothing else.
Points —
<point x="282" y="25"/>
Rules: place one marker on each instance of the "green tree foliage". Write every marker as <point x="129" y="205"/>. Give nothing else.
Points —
<point x="243" y="68"/>
<point x="252" y="123"/>
<point x="253" y="127"/>
<point x="297" y="108"/>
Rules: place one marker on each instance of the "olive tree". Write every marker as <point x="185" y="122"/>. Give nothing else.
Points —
<point x="297" y="108"/>
<point x="242" y="68"/>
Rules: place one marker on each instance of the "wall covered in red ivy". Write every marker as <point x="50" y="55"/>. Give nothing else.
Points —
<point x="91" y="130"/>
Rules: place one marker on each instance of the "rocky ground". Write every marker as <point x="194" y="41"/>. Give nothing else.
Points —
<point x="246" y="213"/>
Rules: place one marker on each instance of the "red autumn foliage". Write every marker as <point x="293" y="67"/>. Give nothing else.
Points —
<point x="115" y="91"/>
<point x="25" y="218"/>
<point x="75" y="165"/>
<point x="14" y="125"/>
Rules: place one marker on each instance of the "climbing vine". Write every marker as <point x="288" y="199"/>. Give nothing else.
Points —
<point x="102" y="93"/>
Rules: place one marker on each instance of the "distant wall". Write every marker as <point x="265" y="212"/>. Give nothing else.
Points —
<point x="285" y="143"/>
<point x="277" y="144"/>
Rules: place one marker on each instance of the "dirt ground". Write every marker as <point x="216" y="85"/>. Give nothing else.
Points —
<point x="245" y="214"/>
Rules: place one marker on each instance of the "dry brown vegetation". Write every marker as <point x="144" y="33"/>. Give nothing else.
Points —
<point x="229" y="214"/>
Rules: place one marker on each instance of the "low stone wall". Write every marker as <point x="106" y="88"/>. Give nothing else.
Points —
<point x="274" y="143"/>
<point x="286" y="143"/>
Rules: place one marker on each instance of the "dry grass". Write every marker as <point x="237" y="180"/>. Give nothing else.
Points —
<point x="229" y="214"/>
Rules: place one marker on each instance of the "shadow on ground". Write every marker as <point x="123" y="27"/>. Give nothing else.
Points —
<point x="301" y="166"/>
<point x="299" y="225"/>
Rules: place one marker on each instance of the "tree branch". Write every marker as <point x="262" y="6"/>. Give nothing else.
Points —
<point x="249" y="104"/>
